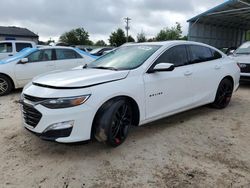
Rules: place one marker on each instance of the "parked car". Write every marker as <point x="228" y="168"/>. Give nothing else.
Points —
<point x="132" y="85"/>
<point x="100" y="51"/>
<point x="9" y="48"/>
<point x="242" y="56"/>
<point x="18" y="70"/>
<point x="228" y="51"/>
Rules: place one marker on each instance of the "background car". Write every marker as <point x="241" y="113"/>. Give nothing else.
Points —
<point x="242" y="56"/>
<point x="132" y="85"/>
<point x="10" y="48"/>
<point x="20" y="69"/>
<point x="100" y="51"/>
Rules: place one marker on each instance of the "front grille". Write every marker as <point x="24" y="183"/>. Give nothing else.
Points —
<point x="33" y="99"/>
<point x="245" y="69"/>
<point x="31" y="115"/>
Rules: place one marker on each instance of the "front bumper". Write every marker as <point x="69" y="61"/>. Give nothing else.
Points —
<point x="81" y="115"/>
<point x="245" y="77"/>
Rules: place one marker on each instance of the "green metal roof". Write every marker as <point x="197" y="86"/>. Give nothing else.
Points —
<point x="232" y="13"/>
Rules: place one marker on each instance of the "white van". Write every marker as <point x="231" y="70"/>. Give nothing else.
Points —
<point x="11" y="47"/>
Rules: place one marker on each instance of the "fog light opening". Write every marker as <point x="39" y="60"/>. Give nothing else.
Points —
<point x="60" y="126"/>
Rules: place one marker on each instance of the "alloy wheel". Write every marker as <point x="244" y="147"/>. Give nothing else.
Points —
<point x="120" y="124"/>
<point x="224" y="94"/>
<point x="3" y="86"/>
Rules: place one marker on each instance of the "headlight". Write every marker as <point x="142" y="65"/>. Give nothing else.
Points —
<point x="65" y="102"/>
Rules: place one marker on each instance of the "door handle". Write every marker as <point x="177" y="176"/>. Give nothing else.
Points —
<point x="217" y="67"/>
<point x="188" y="73"/>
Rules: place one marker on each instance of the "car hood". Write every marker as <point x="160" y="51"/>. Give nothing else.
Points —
<point x="241" y="58"/>
<point x="79" y="78"/>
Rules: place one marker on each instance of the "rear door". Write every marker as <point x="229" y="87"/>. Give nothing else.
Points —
<point x="207" y="71"/>
<point x="39" y="62"/>
<point x="168" y="92"/>
<point x="67" y="59"/>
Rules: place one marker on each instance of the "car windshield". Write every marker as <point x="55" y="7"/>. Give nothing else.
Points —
<point x="23" y="53"/>
<point x="125" y="58"/>
<point x="243" y="49"/>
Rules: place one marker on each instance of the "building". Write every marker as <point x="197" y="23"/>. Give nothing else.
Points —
<point x="223" y="26"/>
<point x="17" y="33"/>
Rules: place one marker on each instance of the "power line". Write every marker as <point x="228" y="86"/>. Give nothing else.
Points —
<point x="127" y="20"/>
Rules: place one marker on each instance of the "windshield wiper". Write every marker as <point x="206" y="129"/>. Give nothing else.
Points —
<point x="108" y="68"/>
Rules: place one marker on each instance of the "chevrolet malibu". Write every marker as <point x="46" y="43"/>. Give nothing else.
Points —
<point x="132" y="85"/>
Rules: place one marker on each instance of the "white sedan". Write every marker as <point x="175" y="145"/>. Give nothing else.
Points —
<point x="18" y="70"/>
<point x="132" y="85"/>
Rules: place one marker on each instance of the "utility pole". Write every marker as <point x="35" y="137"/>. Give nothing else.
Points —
<point x="127" y="26"/>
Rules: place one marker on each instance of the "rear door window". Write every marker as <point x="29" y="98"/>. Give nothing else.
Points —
<point x="199" y="54"/>
<point x="176" y="55"/>
<point x="215" y="54"/>
<point x="62" y="54"/>
<point x="20" y="46"/>
<point x="6" y="47"/>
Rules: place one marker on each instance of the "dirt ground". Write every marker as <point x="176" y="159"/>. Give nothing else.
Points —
<point x="199" y="148"/>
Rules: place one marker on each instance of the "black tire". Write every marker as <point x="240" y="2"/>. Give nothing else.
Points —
<point x="112" y="122"/>
<point x="224" y="94"/>
<point x="5" y="85"/>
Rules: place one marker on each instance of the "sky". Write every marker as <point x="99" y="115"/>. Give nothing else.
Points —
<point x="51" y="18"/>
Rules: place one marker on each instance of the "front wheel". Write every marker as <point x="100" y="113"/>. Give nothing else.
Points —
<point x="113" y="123"/>
<point x="5" y="85"/>
<point x="224" y="94"/>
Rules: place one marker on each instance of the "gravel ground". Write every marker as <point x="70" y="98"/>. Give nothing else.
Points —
<point x="200" y="148"/>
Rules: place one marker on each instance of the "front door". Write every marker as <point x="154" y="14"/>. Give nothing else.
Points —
<point x="168" y="92"/>
<point x="39" y="62"/>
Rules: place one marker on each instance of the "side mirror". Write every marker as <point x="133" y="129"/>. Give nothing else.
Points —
<point x="231" y="52"/>
<point x="23" y="61"/>
<point x="162" y="67"/>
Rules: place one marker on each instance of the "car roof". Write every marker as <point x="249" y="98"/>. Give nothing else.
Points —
<point x="55" y="47"/>
<point x="17" y="41"/>
<point x="167" y="43"/>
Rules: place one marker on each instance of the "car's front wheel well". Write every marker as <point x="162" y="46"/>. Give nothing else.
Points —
<point x="12" y="82"/>
<point x="229" y="78"/>
<point x="107" y="104"/>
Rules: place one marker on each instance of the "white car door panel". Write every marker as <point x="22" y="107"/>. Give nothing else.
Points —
<point x="169" y="91"/>
<point x="39" y="62"/>
<point x="206" y="74"/>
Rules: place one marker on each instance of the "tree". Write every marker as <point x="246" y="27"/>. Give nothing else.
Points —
<point x="131" y="39"/>
<point x="100" y="43"/>
<point x="141" y="37"/>
<point x="117" y="38"/>
<point x="50" y="41"/>
<point x="151" y="40"/>
<point x="76" y="37"/>
<point x="174" y="33"/>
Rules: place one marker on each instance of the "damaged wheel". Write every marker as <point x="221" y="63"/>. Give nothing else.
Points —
<point x="113" y="122"/>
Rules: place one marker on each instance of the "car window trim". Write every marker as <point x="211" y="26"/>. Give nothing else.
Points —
<point x="190" y="52"/>
<point x="68" y="50"/>
<point x="43" y="52"/>
<point x="168" y="48"/>
<point x="12" y="47"/>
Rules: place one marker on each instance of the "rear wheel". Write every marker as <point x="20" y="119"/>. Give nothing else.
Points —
<point x="113" y="123"/>
<point x="5" y="85"/>
<point x="224" y="94"/>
